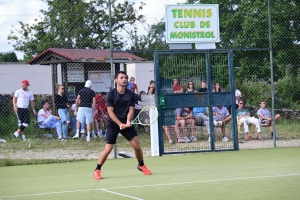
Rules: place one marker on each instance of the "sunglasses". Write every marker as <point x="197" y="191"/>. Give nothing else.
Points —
<point x="191" y="84"/>
<point x="241" y="103"/>
<point x="62" y="88"/>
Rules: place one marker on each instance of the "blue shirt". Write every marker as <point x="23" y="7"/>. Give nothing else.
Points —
<point x="197" y="110"/>
<point x="130" y="86"/>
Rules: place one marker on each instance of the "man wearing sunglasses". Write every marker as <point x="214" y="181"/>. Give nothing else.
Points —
<point x="243" y="116"/>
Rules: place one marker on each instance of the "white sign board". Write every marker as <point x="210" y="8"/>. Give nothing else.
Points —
<point x="75" y="73"/>
<point x="192" y="23"/>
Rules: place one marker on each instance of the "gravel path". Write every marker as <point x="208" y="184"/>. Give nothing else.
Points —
<point x="71" y="154"/>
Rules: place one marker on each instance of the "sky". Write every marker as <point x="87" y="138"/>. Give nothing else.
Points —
<point x="14" y="11"/>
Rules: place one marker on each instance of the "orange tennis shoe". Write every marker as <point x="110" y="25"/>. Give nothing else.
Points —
<point x="97" y="174"/>
<point x="144" y="169"/>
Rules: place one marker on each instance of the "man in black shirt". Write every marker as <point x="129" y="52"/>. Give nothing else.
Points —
<point x="203" y="87"/>
<point x="85" y="108"/>
<point x="120" y="104"/>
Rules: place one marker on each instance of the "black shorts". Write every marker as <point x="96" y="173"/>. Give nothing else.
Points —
<point x="113" y="130"/>
<point x="23" y="116"/>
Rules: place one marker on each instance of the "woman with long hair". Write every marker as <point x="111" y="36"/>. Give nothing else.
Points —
<point x="191" y="88"/>
<point x="217" y="87"/>
<point x="62" y="105"/>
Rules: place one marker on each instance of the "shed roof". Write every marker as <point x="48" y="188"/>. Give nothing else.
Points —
<point x="58" y="55"/>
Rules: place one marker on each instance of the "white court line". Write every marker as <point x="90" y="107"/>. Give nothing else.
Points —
<point x="124" y="195"/>
<point x="155" y="185"/>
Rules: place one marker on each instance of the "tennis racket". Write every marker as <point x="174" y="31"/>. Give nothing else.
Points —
<point x="147" y="116"/>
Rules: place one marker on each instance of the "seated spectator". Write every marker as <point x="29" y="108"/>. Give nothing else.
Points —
<point x="238" y="96"/>
<point x="177" y="88"/>
<point x="244" y="117"/>
<point x="135" y="89"/>
<point x="203" y="87"/>
<point x="217" y="87"/>
<point x="184" y="116"/>
<point x="167" y="132"/>
<point x="201" y="118"/>
<point x="151" y="87"/>
<point x="221" y="117"/>
<point x="73" y="120"/>
<point x="191" y="88"/>
<point x="265" y="116"/>
<point x="47" y="120"/>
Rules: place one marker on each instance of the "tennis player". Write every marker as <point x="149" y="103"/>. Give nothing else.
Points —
<point x="120" y="106"/>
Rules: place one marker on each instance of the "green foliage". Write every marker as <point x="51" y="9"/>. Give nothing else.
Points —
<point x="76" y="24"/>
<point x="8" y="57"/>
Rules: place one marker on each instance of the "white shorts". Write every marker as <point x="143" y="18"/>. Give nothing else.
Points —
<point x="85" y="114"/>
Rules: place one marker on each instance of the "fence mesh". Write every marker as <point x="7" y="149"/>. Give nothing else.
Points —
<point x="30" y="28"/>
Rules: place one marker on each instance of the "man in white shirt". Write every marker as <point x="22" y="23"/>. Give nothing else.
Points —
<point x="238" y="95"/>
<point x="47" y="120"/>
<point x="21" y="101"/>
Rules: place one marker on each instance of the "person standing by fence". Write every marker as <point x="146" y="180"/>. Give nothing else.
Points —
<point x="62" y="105"/>
<point x="21" y="101"/>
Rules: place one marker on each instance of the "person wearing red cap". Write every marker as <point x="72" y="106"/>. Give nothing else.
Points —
<point x="21" y="101"/>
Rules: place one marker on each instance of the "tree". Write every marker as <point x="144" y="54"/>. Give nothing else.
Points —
<point x="153" y="39"/>
<point x="8" y="57"/>
<point x="76" y="24"/>
<point x="244" y="24"/>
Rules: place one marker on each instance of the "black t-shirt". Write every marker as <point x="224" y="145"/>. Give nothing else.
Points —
<point x="60" y="101"/>
<point x="202" y="89"/>
<point x="86" y="97"/>
<point x="120" y="102"/>
<point x="149" y="89"/>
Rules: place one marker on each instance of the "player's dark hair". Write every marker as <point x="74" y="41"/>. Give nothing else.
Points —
<point x="120" y="72"/>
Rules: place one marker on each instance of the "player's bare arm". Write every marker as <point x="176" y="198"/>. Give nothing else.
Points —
<point x="113" y="116"/>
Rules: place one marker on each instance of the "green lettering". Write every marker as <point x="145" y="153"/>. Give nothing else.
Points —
<point x="209" y="13"/>
<point x="173" y="35"/>
<point x="196" y="13"/>
<point x="186" y="35"/>
<point x="174" y="11"/>
<point x="180" y="14"/>
<point x="208" y="24"/>
<point x="192" y="24"/>
<point x="180" y="35"/>
<point x="207" y="34"/>
<point x="202" y="24"/>
<point x="187" y="13"/>
<point x="176" y="25"/>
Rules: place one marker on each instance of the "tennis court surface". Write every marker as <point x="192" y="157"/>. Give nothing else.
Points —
<point x="253" y="174"/>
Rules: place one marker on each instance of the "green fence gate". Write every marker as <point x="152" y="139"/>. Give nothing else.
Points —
<point x="211" y="66"/>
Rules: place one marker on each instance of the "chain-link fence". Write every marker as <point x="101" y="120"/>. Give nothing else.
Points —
<point x="68" y="43"/>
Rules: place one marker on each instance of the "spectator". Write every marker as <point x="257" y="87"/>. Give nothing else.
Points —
<point x="85" y="108"/>
<point x="151" y="88"/>
<point x="135" y="89"/>
<point x="217" y="87"/>
<point x="184" y="116"/>
<point x="167" y="132"/>
<point x="96" y="116"/>
<point x="47" y="120"/>
<point x="221" y="117"/>
<point x="191" y="88"/>
<point x="265" y="116"/>
<point x="244" y="117"/>
<point x="74" y="122"/>
<point x="238" y="96"/>
<point x="21" y="101"/>
<point x="200" y="114"/>
<point x="177" y="88"/>
<point x="203" y="87"/>
<point x="102" y="111"/>
<point x="62" y="105"/>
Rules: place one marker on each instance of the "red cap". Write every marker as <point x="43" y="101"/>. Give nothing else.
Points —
<point x="26" y="82"/>
<point x="97" y="96"/>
